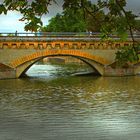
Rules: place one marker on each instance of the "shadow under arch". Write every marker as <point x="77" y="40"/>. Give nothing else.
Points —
<point x="22" y="64"/>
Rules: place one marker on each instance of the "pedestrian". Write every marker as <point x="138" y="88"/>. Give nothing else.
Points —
<point x="16" y="33"/>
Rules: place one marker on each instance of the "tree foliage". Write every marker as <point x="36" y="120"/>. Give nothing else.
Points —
<point x="137" y="25"/>
<point x="68" y="21"/>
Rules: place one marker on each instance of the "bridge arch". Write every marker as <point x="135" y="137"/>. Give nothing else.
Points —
<point x="22" y="64"/>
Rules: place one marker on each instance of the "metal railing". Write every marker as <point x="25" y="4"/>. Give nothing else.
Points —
<point x="57" y="35"/>
<point x="51" y="34"/>
<point x="48" y="36"/>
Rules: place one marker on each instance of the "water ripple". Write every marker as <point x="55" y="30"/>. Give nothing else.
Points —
<point x="71" y="108"/>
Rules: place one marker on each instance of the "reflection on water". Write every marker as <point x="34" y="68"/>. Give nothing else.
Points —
<point x="49" y="107"/>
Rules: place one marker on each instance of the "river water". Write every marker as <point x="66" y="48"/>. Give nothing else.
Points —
<point x="53" y="105"/>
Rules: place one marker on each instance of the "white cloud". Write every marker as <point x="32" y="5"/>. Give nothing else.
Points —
<point x="10" y="22"/>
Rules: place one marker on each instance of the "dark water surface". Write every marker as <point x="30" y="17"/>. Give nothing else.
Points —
<point x="52" y="107"/>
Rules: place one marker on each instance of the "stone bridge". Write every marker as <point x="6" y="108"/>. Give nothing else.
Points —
<point x="19" y="53"/>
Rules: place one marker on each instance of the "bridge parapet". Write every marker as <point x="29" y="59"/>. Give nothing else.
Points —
<point x="66" y="44"/>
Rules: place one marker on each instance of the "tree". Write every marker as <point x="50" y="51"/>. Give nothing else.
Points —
<point x="137" y="25"/>
<point x="56" y="24"/>
<point x="68" y="21"/>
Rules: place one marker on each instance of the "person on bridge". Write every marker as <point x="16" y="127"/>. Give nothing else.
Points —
<point x="16" y="33"/>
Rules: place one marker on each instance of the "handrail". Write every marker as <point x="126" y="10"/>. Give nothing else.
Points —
<point x="59" y="34"/>
<point x="51" y="34"/>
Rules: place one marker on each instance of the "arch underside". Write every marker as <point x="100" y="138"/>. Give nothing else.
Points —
<point x="22" y="64"/>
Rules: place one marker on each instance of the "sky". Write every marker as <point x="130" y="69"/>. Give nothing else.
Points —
<point x="11" y="23"/>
